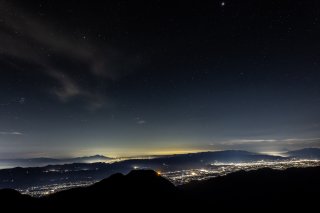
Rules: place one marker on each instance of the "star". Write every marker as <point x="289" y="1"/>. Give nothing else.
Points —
<point x="223" y="4"/>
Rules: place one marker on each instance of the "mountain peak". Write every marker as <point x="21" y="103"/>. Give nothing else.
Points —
<point x="101" y="156"/>
<point x="143" y="173"/>
<point x="141" y="188"/>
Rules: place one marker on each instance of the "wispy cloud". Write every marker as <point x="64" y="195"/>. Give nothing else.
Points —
<point x="36" y="42"/>
<point x="266" y="144"/>
<point x="69" y="89"/>
<point x="11" y="133"/>
<point x="244" y="141"/>
<point x="255" y="141"/>
<point x="141" y="122"/>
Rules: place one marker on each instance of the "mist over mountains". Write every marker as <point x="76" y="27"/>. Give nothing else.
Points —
<point x="43" y="161"/>
<point x="191" y="158"/>
<point x="92" y="172"/>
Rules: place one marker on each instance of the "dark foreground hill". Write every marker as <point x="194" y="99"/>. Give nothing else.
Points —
<point x="145" y="189"/>
<point x="23" y="178"/>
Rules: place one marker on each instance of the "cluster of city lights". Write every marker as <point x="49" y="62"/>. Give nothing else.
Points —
<point x="179" y="177"/>
<point x="223" y="168"/>
<point x="38" y="191"/>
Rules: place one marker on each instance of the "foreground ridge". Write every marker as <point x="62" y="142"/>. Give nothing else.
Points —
<point x="291" y="188"/>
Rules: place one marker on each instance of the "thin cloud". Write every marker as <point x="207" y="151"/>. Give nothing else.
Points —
<point x="27" y="39"/>
<point x="267" y="144"/>
<point x="70" y="89"/>
<point x="11" y="133"/>
<point x="255" y="141"/>
<point x="141" y="122"/>
<point x="244" y="141"/>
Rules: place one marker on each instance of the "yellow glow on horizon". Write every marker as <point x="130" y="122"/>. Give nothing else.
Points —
<point x="135" y="152"/>
<point x="172" y="152"/>
<point x="141" y="148"/>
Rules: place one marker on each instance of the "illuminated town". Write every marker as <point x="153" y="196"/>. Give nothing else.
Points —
<point x="219" y="169"/>
<point x="212" y="170"/>
<point x="38" y="191"/>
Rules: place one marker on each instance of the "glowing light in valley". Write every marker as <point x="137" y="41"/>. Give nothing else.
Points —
<point x="184" y="176"/>
<point x="223" y="168"/>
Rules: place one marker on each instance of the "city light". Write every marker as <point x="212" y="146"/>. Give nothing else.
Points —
<point x="179" y="177"/>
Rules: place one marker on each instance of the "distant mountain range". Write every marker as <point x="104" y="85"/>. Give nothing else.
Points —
<point x="308" y="153"/>
<point x="147" y="191"/>
<point x="59" y="173"/>
<point x="37" y="162"/>
<point x="180" y="160"/>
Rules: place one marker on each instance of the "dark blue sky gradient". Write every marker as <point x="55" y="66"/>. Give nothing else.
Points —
<point x="130" y="78"/>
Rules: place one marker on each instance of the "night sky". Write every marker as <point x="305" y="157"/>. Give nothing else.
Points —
<point x="124" y="78"/>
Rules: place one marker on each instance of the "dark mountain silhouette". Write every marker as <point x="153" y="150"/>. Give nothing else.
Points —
<point x="137" y="187"/>
<point x="28" y="177"/>
<point x="308" y="153"/>
<point x="36" y="162"/>
<point x="144" y="189"/>
<point x="192" y="158"/>
<point x="196" y="160"/>
<point x="11" y="199"/>
<point x="263" y="188"/>
<point x="86" y="159"/>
